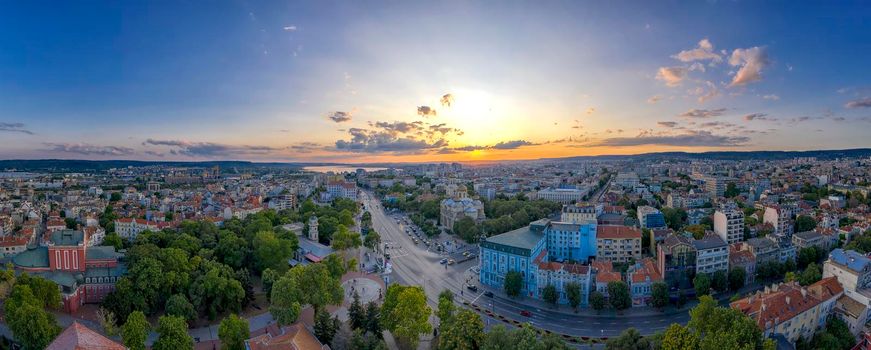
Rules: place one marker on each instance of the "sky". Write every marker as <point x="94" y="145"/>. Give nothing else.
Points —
<point x="421" y="81"/>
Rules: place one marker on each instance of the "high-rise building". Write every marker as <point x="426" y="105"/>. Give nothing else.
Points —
<point x="729" y="224"/>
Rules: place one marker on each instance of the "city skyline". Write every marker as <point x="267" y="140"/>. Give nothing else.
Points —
<point x="456" y="81"/>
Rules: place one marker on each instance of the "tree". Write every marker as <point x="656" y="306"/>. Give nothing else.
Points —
<point x="231" y="249"/>
<point x="810" y="275"/>
<point x="135" y="331"/>
<point x="44" y="290"/>
<point x="737" y="277"/>
<point x="325" y="326"/>
<point x="498" y="338"/>
<point x="373" y="318"/>
<point x="268" y="278"/>
<point x="804" y="223"/>
<point x="467" y="229"/>
<point x="356" y="313"/>
<point x="31" y="325"/>
<point x="446" y="308"/>
<point x="659" y="294"/>
<point x="405" y="313"/>
<point x="618" y="295"/>
<point x="698" y="231"/>
<point x="731" y="191"/>
<point x="597" y="300"/>
<point x="310" y="284"/>
<point x="720" y="281"/>
<point x="465" y="332"/>
<point x="513" y="283"/>
<point x="178" y="305"/>
<point x="215" y="289"/>
<point x="573" y="294"/>
<point x="344" y="239"/>
<point x="113" y="240"/>
<point x="678" y="337"/>
<point x="233" y="332"/>
<point x="172" y="334"/>
<point x="549" y="294"/>
<point x="372" y="239"/>
<point x="629" y="339"/>
<point x="723" y="328"/>
<point x="108" y="322"/>
<point x="702" y="284"/>
<point x="271" y="252"/>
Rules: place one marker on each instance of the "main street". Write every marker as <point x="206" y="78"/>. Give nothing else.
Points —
<point x="414" y="265"/>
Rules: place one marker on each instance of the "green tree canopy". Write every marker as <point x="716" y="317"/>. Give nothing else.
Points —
<point x="513" y="283"/>
<point x="31" y="325"/>
<point x="172" y="334"/>
<point x="618" y="295"/>
<point x="135" y="331"/>
<point x="233" y="332"/>
<point x="464" y="332"/>
<point x="405" y="313"/>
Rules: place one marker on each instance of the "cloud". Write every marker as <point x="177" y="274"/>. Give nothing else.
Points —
<point x="339" y="116"/>
<point x="470" y="148"/>
<point x="672" y="76"/>
<point x="667" y="124"/>
<point x="591" y="110"/>
<point x="210" y="149"/>
<point x="756" y="116"/>
<point x="87" y="149"/>
<point x="654" y="99"/>
<point x="751" y="61"/>
<point x="399" y="127"/>
<point x="512" y="144"/>
<point x="688" y="139"/>
<point x="712" y="92"/>
<point x="702" y="113"/>
<point x="289" y="28"/>
<point x="14" y="127"/>
<point x="772" y="97"/>
<point x="860" y="103"/>
<point x="426" y="111"/>
<point x="153" y="153"/>
<point x="446" y="100"/>
<point x="704" y="51"/>
<point x="305" y="147"/>
<point x="373" y="141"/>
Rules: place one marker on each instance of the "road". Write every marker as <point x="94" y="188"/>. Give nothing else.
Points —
<point x="414" y="265"/>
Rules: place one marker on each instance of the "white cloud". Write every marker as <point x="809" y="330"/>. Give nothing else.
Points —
<point x="672" y="76"/>
<point x="654" y="99"/>
<point x="289" y="28"/>
<point x="772" y="97"/>
<point x="705" y="51"/>
<point x="751" y="62"/>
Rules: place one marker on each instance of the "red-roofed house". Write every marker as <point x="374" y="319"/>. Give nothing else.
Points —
<point x="605" y="274"/>
<point x="559" y="275"/>
<point x="293" y="337"/>
<point x="618" y="243"/>
<point x="641" y="278"/>
<point x="790" y="309"/>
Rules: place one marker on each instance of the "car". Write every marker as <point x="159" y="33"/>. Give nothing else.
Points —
<point x="466" y="253"/>
<point x="451" y="261"/>
<point x="443" y="261"/>
<point x="472" y="287"/>
<point x="525" y="313"/>
<point x="488" y="294"/>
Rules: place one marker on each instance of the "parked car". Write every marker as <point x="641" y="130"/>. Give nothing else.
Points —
<point x="443" y="261"/>
<point x="472" y="287"/>
<point x="525" y="313"/>
<point x="488" y="294"/>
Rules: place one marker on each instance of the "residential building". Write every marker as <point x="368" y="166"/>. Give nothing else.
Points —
<point x="764" y="250"/>
<point x="130" y="227"/>
<point x="790" y="309"/>
<point x="543" y="252"/>
<point x="563" y="195"/>
<point x="342" y="189"/>
<point x="618" y="243"/>
<point x="641" y="277"/>
<point x="853" y="271"/>
<point x="676" y="257"/>
<point x="627" y="180"/>
<point x="729" y="224"/>
<point x="715" y="186"/>
<point x="283" y="202"/>
<point x="780" y="217"/>
<point x="650" y="217"/>
<point x="712" y="254"/>
<point x="742" y="259"/>
<point x="604" y="274"/>
<point x="807" y="239"/>
<point x="580" y="213"/>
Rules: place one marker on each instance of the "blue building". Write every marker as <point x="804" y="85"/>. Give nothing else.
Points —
<point x="650" y="217"/>
<point x="544" y="253"/>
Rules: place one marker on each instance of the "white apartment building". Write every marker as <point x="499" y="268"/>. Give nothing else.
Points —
<point x="712" y="254"/>
<point x="581" y="213"/>
<point x="729" y="224"/>
<point x="130" y="227"/>
<point x="563" y="195"/>
<point x="780" y="218"/>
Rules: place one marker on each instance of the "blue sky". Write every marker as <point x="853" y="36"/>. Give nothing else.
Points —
<point x="259" y="80"/>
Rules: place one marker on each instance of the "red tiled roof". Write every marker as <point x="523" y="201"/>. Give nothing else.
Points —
<point x="605" y="272"/>
<point x="617" y="232"/>
<point x="293" y="337"/>
<point x="647" y="269"/>
<point x="79" y="337"/>
<point x="786" y="301"/>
